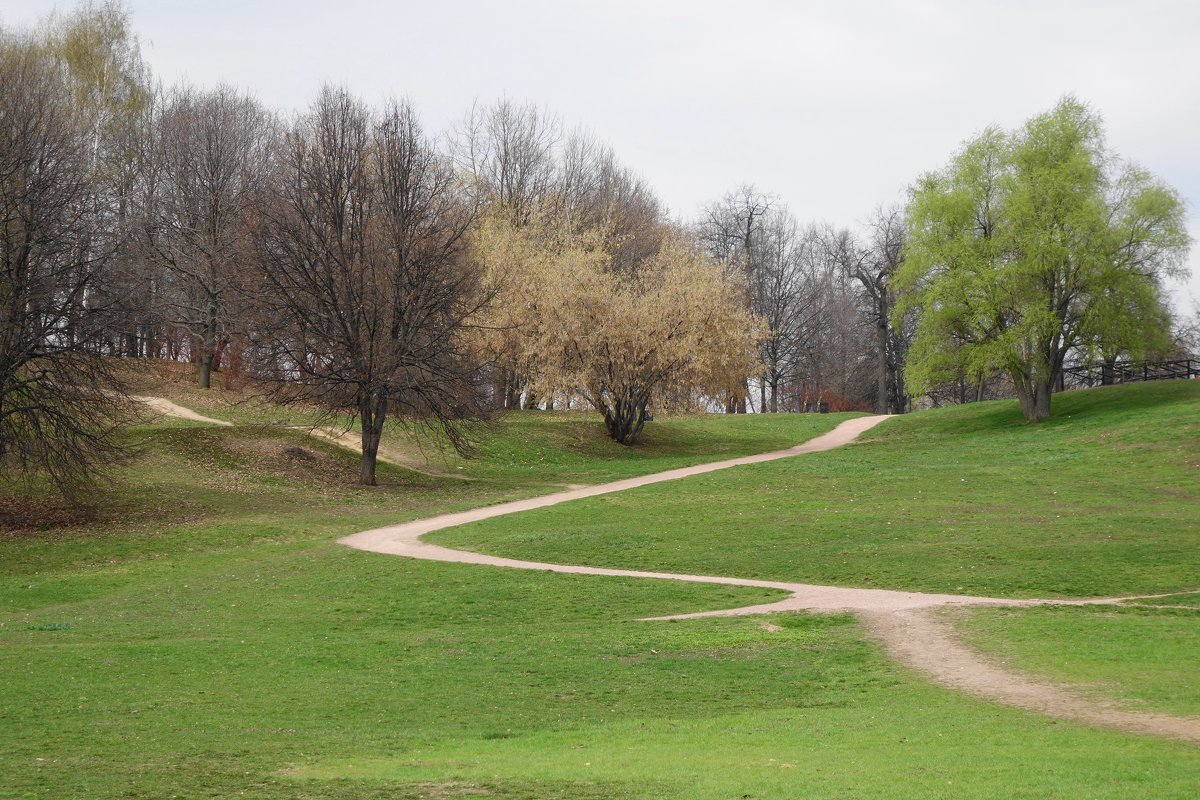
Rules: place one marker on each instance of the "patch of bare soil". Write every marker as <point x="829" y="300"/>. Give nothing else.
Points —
<point x="20" y="514"/>
<point x="169" y="409"/>
<point x="342" y="438"/>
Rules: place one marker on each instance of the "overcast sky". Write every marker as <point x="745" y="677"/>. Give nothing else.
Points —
<point x="835" y="107"/>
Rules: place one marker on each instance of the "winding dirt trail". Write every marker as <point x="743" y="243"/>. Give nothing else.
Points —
<point x="902" y="621"/>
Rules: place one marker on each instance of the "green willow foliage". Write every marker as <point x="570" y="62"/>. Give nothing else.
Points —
<point x="1033" y="244"/>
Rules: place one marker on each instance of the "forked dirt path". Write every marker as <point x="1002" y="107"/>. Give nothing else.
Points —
<point x="902" y="621"/>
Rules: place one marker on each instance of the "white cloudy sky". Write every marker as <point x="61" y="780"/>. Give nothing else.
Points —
<point x="833" y="106"/>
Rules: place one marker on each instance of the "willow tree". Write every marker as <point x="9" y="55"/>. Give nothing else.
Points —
<point x="667" y="334"/>
<point x="1032" y="244"/>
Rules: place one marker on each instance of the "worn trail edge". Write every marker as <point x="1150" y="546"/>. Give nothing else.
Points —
<point x="902" y="621"/>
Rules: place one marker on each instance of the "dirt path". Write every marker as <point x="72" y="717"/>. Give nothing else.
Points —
<point x="929" y="645"/>
<point x="167" y="408"/>
<point x="900" y="620"/>
<point x="352" y="441"/>
<point x="339" y="437"/>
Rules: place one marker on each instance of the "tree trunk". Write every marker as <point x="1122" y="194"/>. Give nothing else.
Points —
<point x="1034" y="396"/>
<point x="204" y="369"/>
<point x="512" y="394"/>
<point x="372" y="412"/>
<point x="625" y="418"/>
<point x="881" y="390"/>
<point x="208" y="346"/>
<point x="499" y="387"/>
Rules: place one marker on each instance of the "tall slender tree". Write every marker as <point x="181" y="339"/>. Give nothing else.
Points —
<point x="214" y="156"/>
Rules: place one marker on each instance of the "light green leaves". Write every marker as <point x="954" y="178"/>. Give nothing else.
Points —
<point x="1033" y="244"/>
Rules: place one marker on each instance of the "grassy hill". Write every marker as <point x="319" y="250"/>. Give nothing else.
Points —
<point x="205" y="637"/>
<point x="1100" y="500"/>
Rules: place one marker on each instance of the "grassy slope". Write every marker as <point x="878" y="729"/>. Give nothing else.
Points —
<point x="524" y="449"/>
<point x="1100" y="500"/>
<point x="208" y="640"/>
<point x="1148" y="657"/>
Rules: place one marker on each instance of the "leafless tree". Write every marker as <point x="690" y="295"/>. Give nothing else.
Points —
<point x="782" y="301"/>
<point x="594" y="191"/>
<point x="368" y="289"/>
<point x="510" y="150"/>
<point x="730" y="229"/>
<point x="1185" y="338"/>
<point x="214" y="154"/>
<point x="829" y="362"/>
<point x="58" y="398"/>
<point x="871" y="263"/>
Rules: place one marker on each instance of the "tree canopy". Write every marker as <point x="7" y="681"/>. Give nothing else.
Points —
<point x="668" y="332"/>
<point x="1033" y="244"/>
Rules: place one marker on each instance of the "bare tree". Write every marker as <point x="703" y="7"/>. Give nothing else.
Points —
<point x="510" y="152"/>
<point x="367" y="286"/>
<point x="782" y="302"/>
<point x="1185" y="337"/>
<point x="99" y="58"/>
<point x="871" y="263"/>
<point x="729" y="229"/>
<point x="595" y="192"/>
<point x="214" y="153"/>
<point x="58" y="398"/>
<point x="509" y="149"/>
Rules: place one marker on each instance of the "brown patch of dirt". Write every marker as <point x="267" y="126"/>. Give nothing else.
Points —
<point x="23" y="515"/>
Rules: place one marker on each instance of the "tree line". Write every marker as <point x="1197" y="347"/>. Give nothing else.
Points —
<point x="346" y="257"/>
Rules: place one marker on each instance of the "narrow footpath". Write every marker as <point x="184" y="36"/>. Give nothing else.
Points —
<point x="904" y="622"/>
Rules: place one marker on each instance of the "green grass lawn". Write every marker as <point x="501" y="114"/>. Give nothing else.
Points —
<point x="309" y="670"/>
<point x="1148" y="658"/>
<point x="1100" y="500"/>
<point x="205" y="637"/>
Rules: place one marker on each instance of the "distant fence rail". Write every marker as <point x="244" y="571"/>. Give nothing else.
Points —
<point x="1132" y="371"/>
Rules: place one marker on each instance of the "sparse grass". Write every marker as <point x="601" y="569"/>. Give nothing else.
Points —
<point x="1100" y="500"/>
